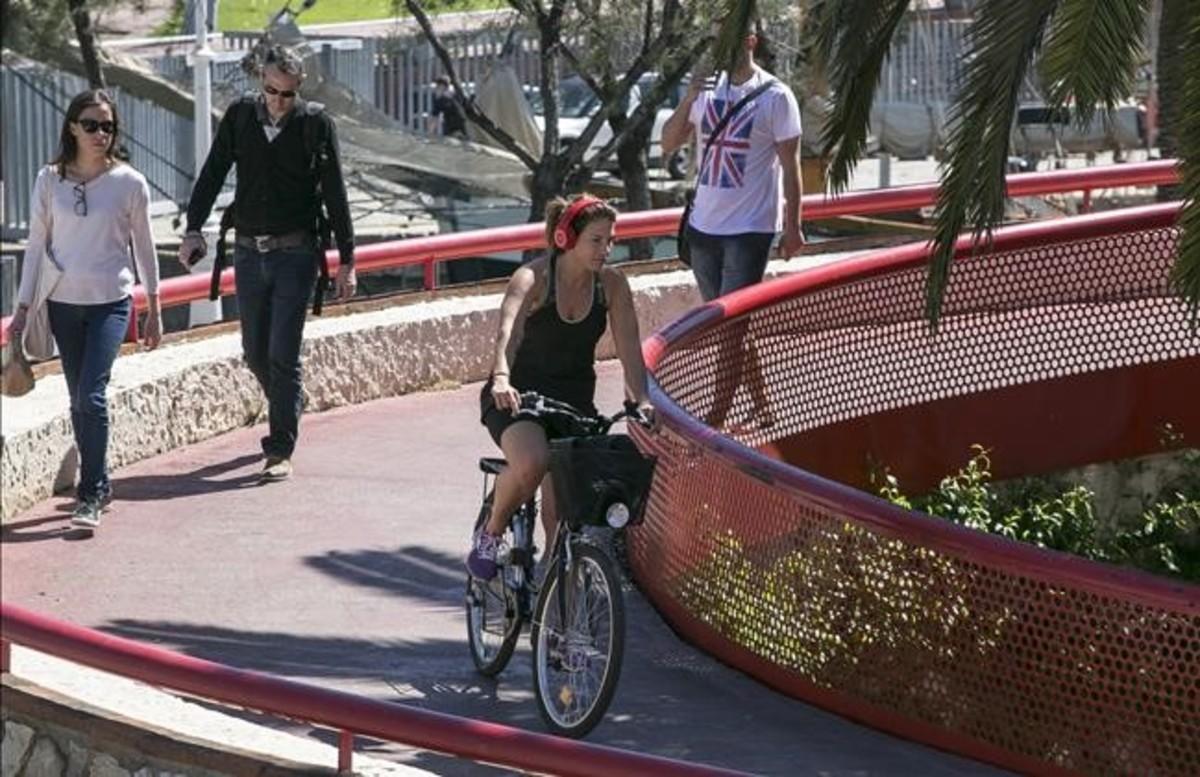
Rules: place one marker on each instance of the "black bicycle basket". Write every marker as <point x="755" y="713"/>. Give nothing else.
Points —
<point x="591" y="473"/>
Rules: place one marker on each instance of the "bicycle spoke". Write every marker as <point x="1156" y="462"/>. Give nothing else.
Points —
<point x="577" y="655"/>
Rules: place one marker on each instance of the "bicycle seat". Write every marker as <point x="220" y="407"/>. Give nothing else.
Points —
<point x="492" y="466"/>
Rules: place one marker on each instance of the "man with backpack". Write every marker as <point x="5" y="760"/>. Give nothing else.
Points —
<point x="288" y="177"/>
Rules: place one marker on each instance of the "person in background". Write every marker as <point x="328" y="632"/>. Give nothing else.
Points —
<point x="748" y="191"/>
<point x="287" y="156"/>
<point x="446" y="111"/>
<point x="89" y="209"/>
<point x="554" y="312"/>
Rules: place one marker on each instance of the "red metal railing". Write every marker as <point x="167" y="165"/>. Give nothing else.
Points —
<point x="499" y="744"/>
<point x="1027" y="658"/>
<point x="429" y="251"/>
<point x="343" y="712"/>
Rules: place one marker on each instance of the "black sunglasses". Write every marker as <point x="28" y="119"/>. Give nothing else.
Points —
<point x="91" y="126"/>
<point x="286" y="94"/>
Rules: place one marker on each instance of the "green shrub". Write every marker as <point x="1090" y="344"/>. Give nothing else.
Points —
<point x="1165" y="540"/>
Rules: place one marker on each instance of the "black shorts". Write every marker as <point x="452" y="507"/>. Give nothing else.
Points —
<point x="497" y="420"/>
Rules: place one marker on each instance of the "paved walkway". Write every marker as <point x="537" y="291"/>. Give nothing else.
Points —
<point x="350" y="575"/>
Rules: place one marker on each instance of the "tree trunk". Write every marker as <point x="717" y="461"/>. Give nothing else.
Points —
<point x="548" y="182"/>
<point x="631" y="156"/>
<point x="88" y="47"/>
<point x="1172" y="30"/>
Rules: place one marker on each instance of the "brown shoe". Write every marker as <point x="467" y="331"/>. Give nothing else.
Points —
<point x="276" y="468"/>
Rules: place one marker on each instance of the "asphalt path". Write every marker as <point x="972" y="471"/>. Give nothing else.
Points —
<point x="351" y="576"/>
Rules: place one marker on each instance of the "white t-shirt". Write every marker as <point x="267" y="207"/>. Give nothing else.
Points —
<point x="93" y="249"/>
<point x="740" y="186"/>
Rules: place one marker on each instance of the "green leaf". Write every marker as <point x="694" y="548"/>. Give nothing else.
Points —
<point x="1090" y="53"/>
<point x="853" y="38"/>
<point x="1001" y="43"/>
<point x="1186" y="274"/>
<point x="736" y="17"/>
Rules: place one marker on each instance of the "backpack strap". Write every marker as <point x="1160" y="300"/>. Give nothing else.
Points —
<point x="316" y="146"/>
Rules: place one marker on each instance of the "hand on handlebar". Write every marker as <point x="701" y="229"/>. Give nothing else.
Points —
<point x="642" y="414"/>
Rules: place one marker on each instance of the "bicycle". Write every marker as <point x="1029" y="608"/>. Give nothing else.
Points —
<point x="577" y="615"/>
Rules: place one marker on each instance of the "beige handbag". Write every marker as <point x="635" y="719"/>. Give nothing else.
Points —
<point x="38" y="339"/>
<point x="16" y="379"/>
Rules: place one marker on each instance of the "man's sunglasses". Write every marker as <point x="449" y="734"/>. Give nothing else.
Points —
<point x="286" y="94"/>
<point x="91" y="126"/>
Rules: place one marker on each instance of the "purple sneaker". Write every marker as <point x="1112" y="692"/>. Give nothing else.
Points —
<point x="481" y="561"/>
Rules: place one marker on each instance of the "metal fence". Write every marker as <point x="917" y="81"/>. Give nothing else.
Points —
<point x="393" y="73"/>
<point x="1064" y="345"/>
<point x="349" y="61"/>
<point x="33" y="99"/>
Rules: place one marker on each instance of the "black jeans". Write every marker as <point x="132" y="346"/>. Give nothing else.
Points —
<point x="273" y="292"/>
<point x="88" y="339"/>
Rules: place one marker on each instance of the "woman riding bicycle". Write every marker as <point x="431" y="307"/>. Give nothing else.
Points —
<point x="554" y="312"/>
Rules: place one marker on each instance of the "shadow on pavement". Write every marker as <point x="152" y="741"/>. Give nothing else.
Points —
<point x="144" y="488"/>
<point x="411" y="570"/>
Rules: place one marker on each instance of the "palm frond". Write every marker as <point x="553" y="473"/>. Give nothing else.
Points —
<point x="1186" y="273"/>
<point x="853" y="41"/>
<point x="1091" y="50"/>
<point x="736" y="17"/>
<point x="1001" y="45"/>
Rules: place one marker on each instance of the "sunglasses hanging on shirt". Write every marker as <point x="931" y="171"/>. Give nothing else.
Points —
<point x="80" y="199"/>
<point x="91" y="126"/>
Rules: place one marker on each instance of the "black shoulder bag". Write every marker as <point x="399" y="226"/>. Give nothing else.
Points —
<point x="685" y="254"/>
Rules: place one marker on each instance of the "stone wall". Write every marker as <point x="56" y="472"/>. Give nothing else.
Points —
<point x="47" y="735"/>
<point x="187" y="392"/>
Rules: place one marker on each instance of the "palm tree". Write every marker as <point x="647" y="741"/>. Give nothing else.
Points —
<point x="1087" y="50"/>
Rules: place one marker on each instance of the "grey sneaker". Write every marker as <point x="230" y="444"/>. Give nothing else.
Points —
<point x="276" y="468"/>
<point x="87" y="514"/>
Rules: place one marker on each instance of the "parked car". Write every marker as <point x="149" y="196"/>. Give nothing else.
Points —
<point x="578" y="104"/>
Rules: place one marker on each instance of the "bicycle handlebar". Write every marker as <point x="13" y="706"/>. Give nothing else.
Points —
<point x="532" y="401"/>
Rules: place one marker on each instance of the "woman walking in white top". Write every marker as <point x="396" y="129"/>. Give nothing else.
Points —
<point x="89" y="207"/>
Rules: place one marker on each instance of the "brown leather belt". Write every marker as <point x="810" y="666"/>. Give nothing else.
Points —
<point x="301" y="238"/>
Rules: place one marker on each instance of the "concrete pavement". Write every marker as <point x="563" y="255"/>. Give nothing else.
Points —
<point x="350" y="576"/>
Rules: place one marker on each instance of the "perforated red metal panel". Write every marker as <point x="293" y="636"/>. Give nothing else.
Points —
<point x="1027" y="658"/>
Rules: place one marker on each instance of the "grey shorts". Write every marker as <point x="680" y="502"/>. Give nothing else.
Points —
<point x="726" y="263"/>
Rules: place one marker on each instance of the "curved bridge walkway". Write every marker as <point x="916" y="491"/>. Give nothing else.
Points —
<point x="350" y="575"/>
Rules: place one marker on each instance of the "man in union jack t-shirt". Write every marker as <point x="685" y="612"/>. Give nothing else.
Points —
<point x="747" y="190"/>
<point x="748" y="183"/>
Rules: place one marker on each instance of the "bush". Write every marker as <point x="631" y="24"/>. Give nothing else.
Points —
<point x="1165" y="540"/>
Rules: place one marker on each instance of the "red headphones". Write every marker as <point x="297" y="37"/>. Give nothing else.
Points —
<point x="564" y="232"/>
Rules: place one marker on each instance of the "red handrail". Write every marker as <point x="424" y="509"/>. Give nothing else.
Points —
<point x="427" y="251"/>
<point x="1129" y="584"/>
<point x="344" y="712"/>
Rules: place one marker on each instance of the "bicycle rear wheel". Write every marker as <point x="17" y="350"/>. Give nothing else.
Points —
<point x="493" y="616"/>
<point x="578" y="644"/>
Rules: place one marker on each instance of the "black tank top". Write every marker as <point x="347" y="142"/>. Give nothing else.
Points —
<point x="556" y="358"/>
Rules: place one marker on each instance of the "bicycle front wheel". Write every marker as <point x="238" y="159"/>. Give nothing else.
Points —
<point x="578" y="643"/>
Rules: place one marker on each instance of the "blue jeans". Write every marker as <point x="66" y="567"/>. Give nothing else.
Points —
<point x="273" y="291"/>
<point x="726" y="263"/>
<point x="88" y="338"/>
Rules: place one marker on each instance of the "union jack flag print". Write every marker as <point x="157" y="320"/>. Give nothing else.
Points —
<point x="726" y="164"/>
